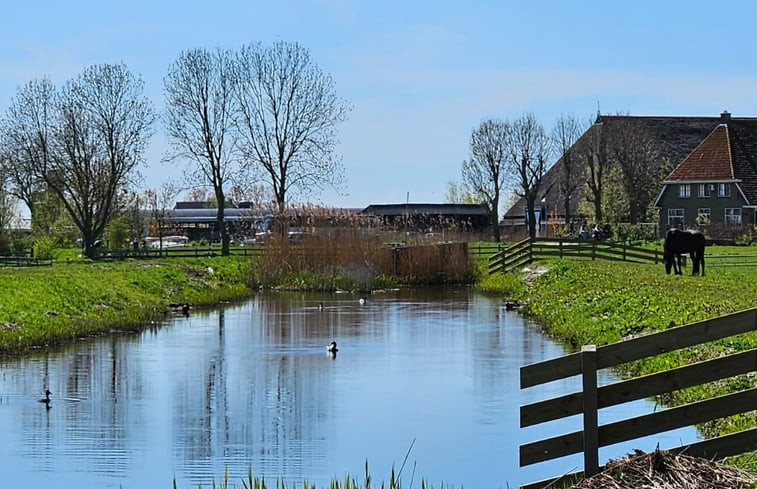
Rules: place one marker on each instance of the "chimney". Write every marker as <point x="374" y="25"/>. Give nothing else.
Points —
<point x="725" y="117"/>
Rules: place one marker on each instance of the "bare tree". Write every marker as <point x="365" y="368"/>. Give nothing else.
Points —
<point x="528" y="153"/>
<point x="288" y="115"/>
<point x="638" y="156"/>
<point x="158" y="203"/>
<point x="597" y="162"/>
<point x="484" y="172"/>
<point x="26" y="139"/>
<point x="565" y="134"/>
<point x="199" y="119"/>
<point x="85" y="141"/>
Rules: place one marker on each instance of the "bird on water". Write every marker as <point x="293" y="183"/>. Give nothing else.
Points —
<point x="331" y="348"/>
<point x="45" y="400"/>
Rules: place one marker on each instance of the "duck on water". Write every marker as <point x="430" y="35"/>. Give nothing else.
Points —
<point x="45" y="400"/>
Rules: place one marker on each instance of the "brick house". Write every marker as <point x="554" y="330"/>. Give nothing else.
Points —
<point x="716" y="184"/>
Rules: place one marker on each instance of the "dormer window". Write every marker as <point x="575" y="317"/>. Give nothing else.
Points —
<point x="684" y="191"/>
<point x="704" y="190"/>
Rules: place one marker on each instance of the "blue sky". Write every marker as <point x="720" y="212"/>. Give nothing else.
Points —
<point x="420" y="75"/>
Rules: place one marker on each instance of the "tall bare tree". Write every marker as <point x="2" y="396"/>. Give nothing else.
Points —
<point x="288" y="117"/>
<point x="199" y="119"/>
<point x="88" y="150"/>
<point x="638" y="156"/>
<point x="26" y="139"/>
<point x="597" y="161"/>
<point x="565" y="134"/>
<point x="528" y="153"/>
<point x="484" y="172"/>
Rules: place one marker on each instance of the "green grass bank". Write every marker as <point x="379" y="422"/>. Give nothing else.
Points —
<point x="583" y="302"/>
<point x="51" y="305"/>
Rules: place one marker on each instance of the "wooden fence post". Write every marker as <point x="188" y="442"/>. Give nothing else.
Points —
<point x="591" y="428"/>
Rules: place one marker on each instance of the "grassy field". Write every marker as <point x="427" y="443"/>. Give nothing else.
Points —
<point x="600" y="302"/>
<point x="50" y="305"/>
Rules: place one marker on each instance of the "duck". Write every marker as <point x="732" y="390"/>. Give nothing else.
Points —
<point x="45" y="400"/>
<point x="331" y="348"/>
<point x="320" y="306"/>
<point x="362" y="301"/>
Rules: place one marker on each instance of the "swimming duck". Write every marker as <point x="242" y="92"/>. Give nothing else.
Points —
<point x="362" y="301"/>
<point x="46" y="399"/>
<point x="331" y="348"/>
<point x="320" y="306"/>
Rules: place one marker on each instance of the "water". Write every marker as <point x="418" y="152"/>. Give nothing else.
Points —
<point x="429" y="375"/>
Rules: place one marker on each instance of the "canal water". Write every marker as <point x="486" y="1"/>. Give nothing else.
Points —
<point x="425" y="381"/>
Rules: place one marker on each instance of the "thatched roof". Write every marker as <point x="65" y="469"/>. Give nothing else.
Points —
<point x="675" y="136"/>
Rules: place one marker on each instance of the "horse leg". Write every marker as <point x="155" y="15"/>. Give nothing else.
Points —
<point x="677" y="264"/>
<point x="701" y="259"/>
<point x="694" y="263"/>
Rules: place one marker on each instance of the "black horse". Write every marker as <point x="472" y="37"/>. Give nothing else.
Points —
<point x="678" y="242"/>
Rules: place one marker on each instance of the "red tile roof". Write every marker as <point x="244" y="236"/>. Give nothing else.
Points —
<point x="711" y="160"/>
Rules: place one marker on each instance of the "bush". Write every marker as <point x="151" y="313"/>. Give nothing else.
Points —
<point x="44" y="246"/>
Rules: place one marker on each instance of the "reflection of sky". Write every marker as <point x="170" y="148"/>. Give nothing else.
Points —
<point x="253" y="386"/>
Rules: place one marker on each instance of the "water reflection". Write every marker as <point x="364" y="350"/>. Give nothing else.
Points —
<point x="253" y="385"/>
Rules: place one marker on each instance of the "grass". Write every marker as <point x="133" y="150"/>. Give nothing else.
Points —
<point x="600" y="302"/>
<point x="51" y="305"/>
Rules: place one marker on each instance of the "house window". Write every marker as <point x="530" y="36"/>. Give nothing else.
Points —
<point x="704" y="190"/>
<point x="703" y="216"/>
<point x="733" y="216"/>
<point x="684" y="191"/>
<point x="675" y="218"/>
<point x="724" y="190"/>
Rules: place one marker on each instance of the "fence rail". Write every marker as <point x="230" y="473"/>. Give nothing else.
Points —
<point x="530" y="249"/>
<point x="25" y="261"/>
<point x="591" y="398"/>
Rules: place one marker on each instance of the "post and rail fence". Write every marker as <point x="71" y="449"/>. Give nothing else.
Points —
<point x="530" y="249"/>
<point x="592" y="398"/>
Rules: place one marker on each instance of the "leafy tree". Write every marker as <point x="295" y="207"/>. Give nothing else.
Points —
<point x="457" y="193"/>
<point x="199" y="118"/>
<point x="484" y="171"/>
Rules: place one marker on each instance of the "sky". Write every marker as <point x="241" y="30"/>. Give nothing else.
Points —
<point x="421" y="76"/>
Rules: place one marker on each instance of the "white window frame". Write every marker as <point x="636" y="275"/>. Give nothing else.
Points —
<point x="732" y="216"/>
<point x="724" y="190"/>
<point x="705" y="212"/>
<point x="704" y="190"/>
<point x="675" y="217"/>
<point x="684" y="191"/>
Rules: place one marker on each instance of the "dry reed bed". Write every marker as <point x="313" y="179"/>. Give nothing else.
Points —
<point x="667" y="470"/>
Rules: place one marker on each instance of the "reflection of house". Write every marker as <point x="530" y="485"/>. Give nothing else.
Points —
<point x="717" y="182"/>
<point x="430" y="217"/>
<point x="675" y="138"/>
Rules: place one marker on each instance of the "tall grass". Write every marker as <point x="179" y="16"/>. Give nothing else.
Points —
<point x="352" y="260"/>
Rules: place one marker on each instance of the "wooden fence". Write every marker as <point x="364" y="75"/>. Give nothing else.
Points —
<point x="530" y="249"/>
<point x="591" y="398"/>
<point x="25" y="261"/>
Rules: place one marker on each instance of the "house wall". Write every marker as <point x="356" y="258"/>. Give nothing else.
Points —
<point x="669" y="199"/>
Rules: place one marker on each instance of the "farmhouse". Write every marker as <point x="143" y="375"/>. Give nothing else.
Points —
<point x="675" y="138"/>
<point x="430" y="217"/>
<point x="716" y="184"/>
